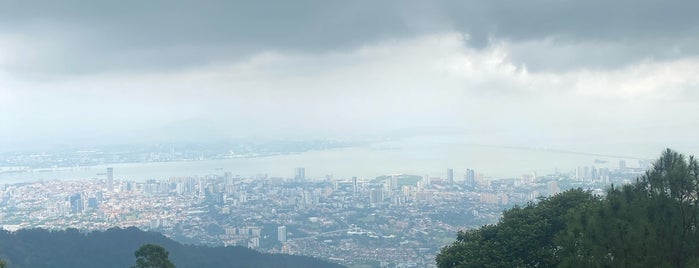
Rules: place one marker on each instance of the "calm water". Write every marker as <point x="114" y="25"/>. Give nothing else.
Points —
<point x="419" y="156"/>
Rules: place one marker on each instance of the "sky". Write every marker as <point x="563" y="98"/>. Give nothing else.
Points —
<point x="559" y="74"/>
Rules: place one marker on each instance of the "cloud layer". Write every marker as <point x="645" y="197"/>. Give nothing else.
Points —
<point x="79" y="37"/>
<point x="550" y="73"/>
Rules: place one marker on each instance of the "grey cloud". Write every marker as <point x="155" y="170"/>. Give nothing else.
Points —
<point x="90" y="36"/>
<point x="590" y="34"/>
<point x="594" y="20"/>
<point x="136" y="34"/>
<point x="556" y="56"/>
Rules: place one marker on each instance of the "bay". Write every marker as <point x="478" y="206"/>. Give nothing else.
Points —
<point x="418" y="155"/>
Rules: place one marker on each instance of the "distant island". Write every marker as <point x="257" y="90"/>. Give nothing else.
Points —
<point x="73" y="157"/>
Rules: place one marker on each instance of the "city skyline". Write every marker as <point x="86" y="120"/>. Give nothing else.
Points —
<point x="343" y="220"/>
<point x="361" y="133"/>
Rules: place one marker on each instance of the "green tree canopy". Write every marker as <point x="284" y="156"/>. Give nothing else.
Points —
<point x="653" y="222"/>
<point x="524" y="236"/>
<point x="650" y="223"/>
<point x="152" y="256"/>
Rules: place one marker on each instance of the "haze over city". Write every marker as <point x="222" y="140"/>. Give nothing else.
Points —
<point x="571" y="75"/>
<point x="349" y="133"/>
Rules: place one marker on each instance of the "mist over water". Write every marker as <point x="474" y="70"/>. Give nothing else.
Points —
<point x="427" y="155"/>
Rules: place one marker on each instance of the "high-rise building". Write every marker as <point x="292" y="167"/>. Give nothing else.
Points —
<point x="604" y="175"/>
<point x="393" y="183"/>
<point x="622" y="164"/>
<point x="470" y="177"/>
<point x="254" y="242"/>
<point x="307" y="197"/>
<point x="76" y="203"/>
<point x="376" y="195"/>
<point x="578" y="173"/>
<point x="450" y="176"/>
<point x="92" y="203"/>
<point x="281" y="233"/>
<point x="299" y="174"/>
<point x="480" y="180"/>
<point x="354" y="186"/>
<point x="110" y="179"/>
<point x="526" y="179"/>
<point x="594" y="175"/>
<point x="553" y="188"/>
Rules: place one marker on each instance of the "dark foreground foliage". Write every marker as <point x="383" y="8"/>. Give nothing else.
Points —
<point x="653" y="222"/>
<point x="115" y="248"/>
<point x="152" y="256"/>
<point x="650" y="223"/>
<point x="524" y="236"/>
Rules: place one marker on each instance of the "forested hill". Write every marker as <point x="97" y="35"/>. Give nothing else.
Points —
<point x="653" y="222"/>
<point x="115" y="248"/>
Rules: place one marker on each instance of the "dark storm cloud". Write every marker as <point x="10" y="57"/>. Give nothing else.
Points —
<point x="591" y="33"/>
<point x="128" y="34"/>
<point x="89" y="36"/>
<point x="575" y="21"/>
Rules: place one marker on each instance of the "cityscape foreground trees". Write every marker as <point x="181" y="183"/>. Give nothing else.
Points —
<point x="650" y="223"/>
<point x="524" y="236"/>
<point x="653" y="222"/>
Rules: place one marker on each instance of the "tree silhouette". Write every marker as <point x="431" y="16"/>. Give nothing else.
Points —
<point x="152" y="256"/>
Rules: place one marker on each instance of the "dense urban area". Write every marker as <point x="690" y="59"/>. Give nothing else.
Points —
<point x="395" y="220"/>
<point x="358" y="134"/>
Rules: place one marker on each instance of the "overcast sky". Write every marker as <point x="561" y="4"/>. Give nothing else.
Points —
<point x="537" y="73"/>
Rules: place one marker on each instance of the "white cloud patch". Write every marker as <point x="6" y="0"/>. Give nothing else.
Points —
<point x="431" y="80"/>
<point x="652" y="81"/>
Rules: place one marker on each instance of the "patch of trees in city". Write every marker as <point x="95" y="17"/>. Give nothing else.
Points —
<point x="653" y="222"/>
<point x="123" y="247"/>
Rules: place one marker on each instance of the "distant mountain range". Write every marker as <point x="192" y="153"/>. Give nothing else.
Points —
<point x="115" y="247"/>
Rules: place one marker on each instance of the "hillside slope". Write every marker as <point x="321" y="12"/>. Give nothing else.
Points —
<point x="115" y="248"/>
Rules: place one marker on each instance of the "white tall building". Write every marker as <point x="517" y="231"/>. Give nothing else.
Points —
<point x="110" y="179"/>
<point x="281" y="233"/>
<point x="300" y="174"/>
<point x="354" y="186"/>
